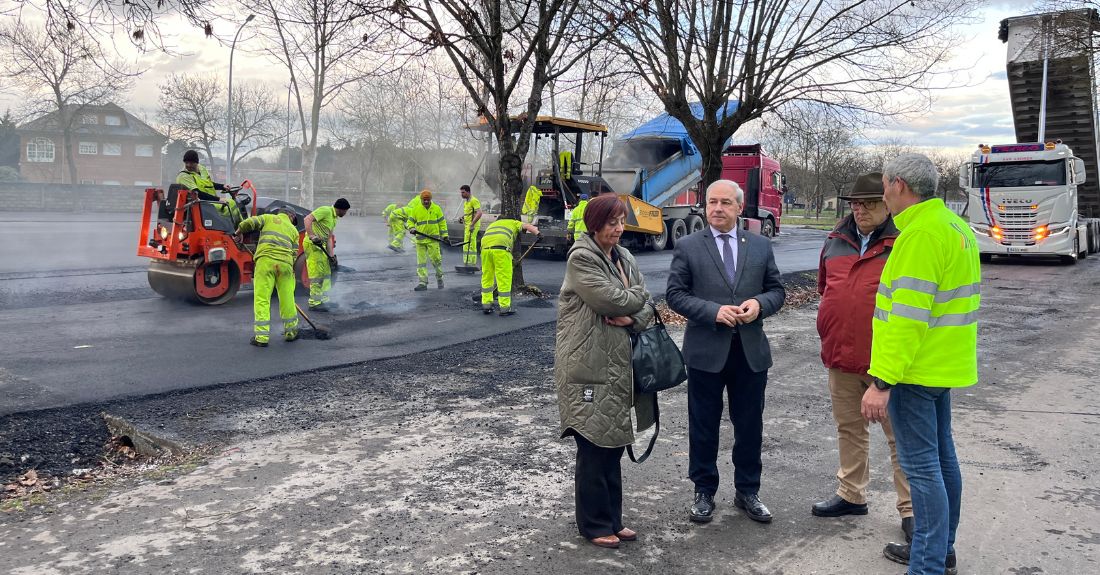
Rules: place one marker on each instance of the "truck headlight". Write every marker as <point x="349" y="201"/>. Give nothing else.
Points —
<point x="979" y="228"/>
<point x="162" y="232"/>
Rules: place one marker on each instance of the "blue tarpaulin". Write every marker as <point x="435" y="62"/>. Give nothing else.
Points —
<point x="665" y="126"/>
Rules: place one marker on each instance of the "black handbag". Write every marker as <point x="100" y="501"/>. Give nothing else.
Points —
<point x="657" y="365"/>
<point x="656" y="360"/>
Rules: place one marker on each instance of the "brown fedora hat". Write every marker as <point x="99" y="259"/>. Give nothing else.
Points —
<point x="867" y="187"/>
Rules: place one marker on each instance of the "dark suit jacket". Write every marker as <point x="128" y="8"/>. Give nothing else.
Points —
<point x="697" y="287"/>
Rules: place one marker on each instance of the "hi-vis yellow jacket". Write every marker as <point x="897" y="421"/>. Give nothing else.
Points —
<point x="926" y="312"/>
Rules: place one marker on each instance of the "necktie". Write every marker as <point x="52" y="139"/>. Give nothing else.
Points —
<point x="727" y="257"/>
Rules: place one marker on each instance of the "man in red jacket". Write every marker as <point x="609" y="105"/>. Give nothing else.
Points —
<point x="847" y="279"/>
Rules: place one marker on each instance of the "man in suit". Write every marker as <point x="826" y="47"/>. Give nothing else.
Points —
<point x="725" y="282"/>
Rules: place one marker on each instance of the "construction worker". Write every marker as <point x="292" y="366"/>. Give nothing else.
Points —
<point x="471" y="225"/>
<point x="319" y="225"/>
<point x="496" y="263"/>
<point x="530" y="207"/>
<point x="426" y="219"/>
<point x="576" y="225"/>
<point x="399" y="222"/>
<point x="275" y="252"/>
<point x="386" y="212"/>
<point x="195" y="176"/>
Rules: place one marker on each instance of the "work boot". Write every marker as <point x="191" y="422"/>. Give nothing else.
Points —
<point x="257" y="342"/>
<point x="395" y="249"/>
<point x="506" y="311"/>
<point x="293" y="336"/>
<point x="486" y="309"/>
<point x="439" y="283"/>
<point x="907" y="528"/>
<point x="420" y="287"/>
<point x="320" y="308"/>
<point x="899" y="553"/>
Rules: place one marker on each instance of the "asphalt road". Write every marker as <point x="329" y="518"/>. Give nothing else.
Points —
<point x="83" y="325"/>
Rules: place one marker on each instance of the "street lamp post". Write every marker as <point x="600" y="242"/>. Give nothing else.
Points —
<point x="229" y="108"/>
<point x="287" y="194"/>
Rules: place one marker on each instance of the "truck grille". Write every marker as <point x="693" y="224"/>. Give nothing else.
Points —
<point x="1017" y="224"/>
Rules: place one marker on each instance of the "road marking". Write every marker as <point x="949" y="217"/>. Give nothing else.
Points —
<point x="81" y="346"/>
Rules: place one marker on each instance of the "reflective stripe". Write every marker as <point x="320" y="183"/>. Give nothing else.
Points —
<point x="505" y="294"/>
<point x="277" y="234"/>
<point x="261" y="323"/>
<point x="486" y="290"/>
<point x="954" y="319"/>
<point x="421" y="266"/>
<point x="930" y="288"/>
<point x="910" y="312"/>
<point x="276" y="242"/>
<point x="881" y="314"/>
<point x="959" y="292"/>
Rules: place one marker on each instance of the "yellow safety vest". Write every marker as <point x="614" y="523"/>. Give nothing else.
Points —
<point x="278" y="237"/>
<point x="925" y="324"/>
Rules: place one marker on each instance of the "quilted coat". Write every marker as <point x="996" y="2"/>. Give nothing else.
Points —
<point x="591" y="358"/>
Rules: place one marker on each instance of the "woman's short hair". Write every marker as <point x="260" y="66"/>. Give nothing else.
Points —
<point x="600" y="210"/>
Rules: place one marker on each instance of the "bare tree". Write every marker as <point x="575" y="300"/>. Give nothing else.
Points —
<point x="61" y="74"/>
<point x="193" y="107"/>
<point x="139" y="18"/>
<point x="506" y="52"/>
<point x="866" y="56"/>
<point x="259" y="120"/>
<point x="326" y="46"/>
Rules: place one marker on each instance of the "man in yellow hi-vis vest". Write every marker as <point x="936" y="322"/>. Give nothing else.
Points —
<point x="430" y="229"/>
<point x="319" y="225"/>
<point x="496" y="263"/>
<point x="471" y="224"/>
<point x="924" y="343"/>
<point x="576" y="227"/>
<point x="274" y="258"/>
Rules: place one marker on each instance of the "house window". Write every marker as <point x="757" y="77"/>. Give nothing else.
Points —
<point x="89" y="119"/>
<point x="112" y="120"/>
<point x="40" y="150"/>
<point x="87" y="182"/>
<point x="111" y="183"/>
<point x="112" y="149"/>
<point x="144" y="183"/>
<point x="89" y="148"/>
<point x="143" y="150"/>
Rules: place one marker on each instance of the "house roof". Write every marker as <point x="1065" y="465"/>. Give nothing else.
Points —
<point x="131" y="126"/>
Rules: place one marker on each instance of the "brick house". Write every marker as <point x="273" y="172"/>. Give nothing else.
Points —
<point x="110" y="147"/>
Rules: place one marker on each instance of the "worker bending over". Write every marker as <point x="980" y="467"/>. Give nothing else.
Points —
<point x="386" y="212"/>
<point x="427" y="220"/>
<point x="319" y="227"/>
<point x="399" y="223"/>
<point x="195" y="176"/>
<point x="274" y="258"/>
<point x="496" y="263"/>
<point x="471" y="224"/>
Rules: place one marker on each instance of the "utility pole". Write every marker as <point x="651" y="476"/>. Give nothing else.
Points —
<point x="229" y="107"/>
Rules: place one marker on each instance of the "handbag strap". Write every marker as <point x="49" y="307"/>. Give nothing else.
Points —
<point x="652" y="440"/>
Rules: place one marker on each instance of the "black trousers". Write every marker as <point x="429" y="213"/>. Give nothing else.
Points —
<point x="745" y="391"/>
<point x="599" y="489"/>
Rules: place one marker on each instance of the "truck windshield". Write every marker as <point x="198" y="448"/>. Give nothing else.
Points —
<point x="1020" y="174"/>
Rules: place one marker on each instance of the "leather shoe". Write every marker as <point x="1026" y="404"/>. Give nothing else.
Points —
<point x="607" y="541"/>
<point x="899" y="553"/>
<point x="626" y="534"/>
<point x="702" y="510"/>
<point x="907" y="528"/>
<point x="753" y="507"/>
<point x="837" y="506"/>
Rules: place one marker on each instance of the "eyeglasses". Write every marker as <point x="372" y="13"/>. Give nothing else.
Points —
<point x="864" y="205"/>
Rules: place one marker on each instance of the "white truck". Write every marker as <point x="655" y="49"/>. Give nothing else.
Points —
<point x="1023" y="200"/>
<point x="1037" y="197"/>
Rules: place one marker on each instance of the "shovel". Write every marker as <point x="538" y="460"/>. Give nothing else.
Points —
<point x="438" y="239"/>
<point x="318" y="332"/>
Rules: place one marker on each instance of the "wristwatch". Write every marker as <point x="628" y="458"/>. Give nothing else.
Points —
<point x="881" y="385"/>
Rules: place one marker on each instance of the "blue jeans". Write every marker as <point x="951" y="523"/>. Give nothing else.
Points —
<point x="926" y="452"/>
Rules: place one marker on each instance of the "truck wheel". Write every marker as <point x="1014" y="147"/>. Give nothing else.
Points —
<point x="677" y="231"/>
<point x="659" y="241"/>
<point x="767" y="229"/>
<point x="694" y="223"/>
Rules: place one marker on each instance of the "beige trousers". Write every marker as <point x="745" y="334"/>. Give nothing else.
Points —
<point x="854" y="442"/>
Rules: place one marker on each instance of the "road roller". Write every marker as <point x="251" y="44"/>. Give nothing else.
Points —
<point x="193" y="255"/>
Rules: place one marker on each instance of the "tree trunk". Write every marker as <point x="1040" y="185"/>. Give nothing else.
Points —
<point x="710" y="152"/>
<point x="511" y="177"/>
<point x="309" y="161"/>
<point x="68" y="143"/>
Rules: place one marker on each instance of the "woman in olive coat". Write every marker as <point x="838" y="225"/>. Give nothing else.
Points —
<point x="603" y="300"/>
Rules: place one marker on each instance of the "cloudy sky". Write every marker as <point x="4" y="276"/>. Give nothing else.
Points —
<point x="975" y="111"/>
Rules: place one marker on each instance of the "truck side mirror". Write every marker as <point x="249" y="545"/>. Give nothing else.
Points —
<point x="1078" y="171"/>
<point x="964" y="176"/>
<point x="686" y="147"/>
